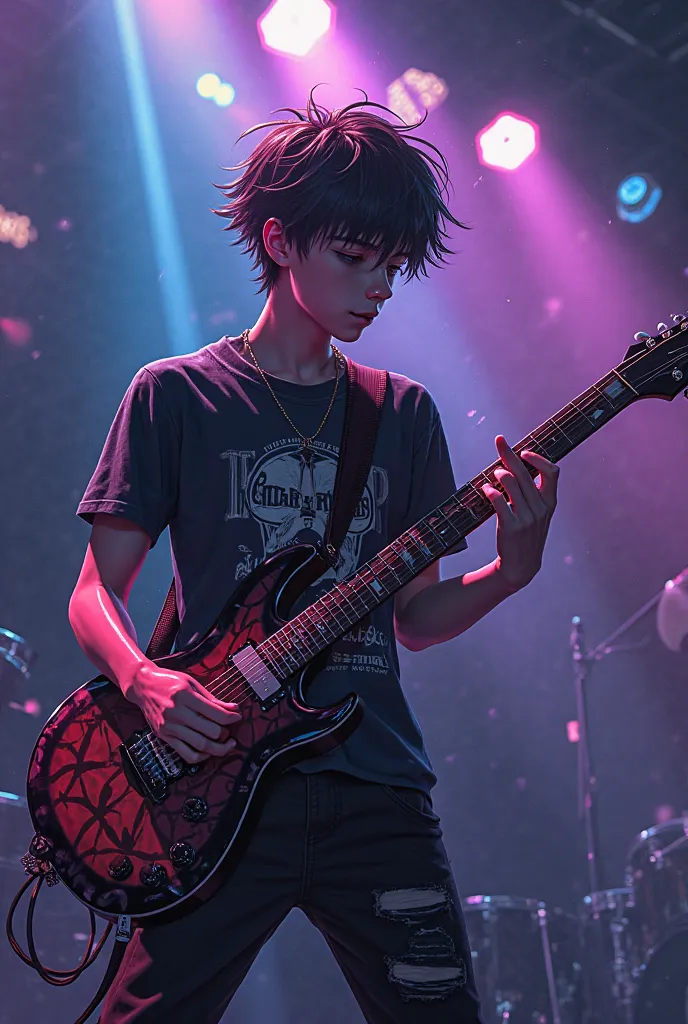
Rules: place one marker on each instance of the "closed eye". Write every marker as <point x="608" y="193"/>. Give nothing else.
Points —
<point x="349" y="257"/>
<point x="352" y="258"/>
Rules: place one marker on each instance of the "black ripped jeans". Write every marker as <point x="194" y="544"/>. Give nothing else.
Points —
<point x="366" y="864"/>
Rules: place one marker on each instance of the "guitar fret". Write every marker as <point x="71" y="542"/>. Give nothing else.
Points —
<point x="401" y="550"/>
<point x="340" y="593"/>
<point x="279" y="663"/>
<point x="481" y="499"/>
<point x="490" y="481"/>
<point x="375" y="587"/>
<point x="603" y="395"/>
<point x="302" y="633"/>
<point x="371" y="584"/>
<point x="624" y="382"/>
<point x="578" y="424"/>
<point x="548" y="443"/>
<point x="379" y="571"/>
<point x="450" y="523"/>
<point x="358" y="597"/>
<point x="321" y="626"/>
<point x="285" y="654"/>
<point x="328" y="618"/>
<point x="582" y="413"/>
<point x="559" y="429"/>
<point x="390" y="568"/>
<point x="414" y="537"/>
<point x="288" y="629"/>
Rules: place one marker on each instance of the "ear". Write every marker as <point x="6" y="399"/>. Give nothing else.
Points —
<point x="275" y="242"/>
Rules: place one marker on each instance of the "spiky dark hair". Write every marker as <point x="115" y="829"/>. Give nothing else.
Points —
<point x="342" y="173"/>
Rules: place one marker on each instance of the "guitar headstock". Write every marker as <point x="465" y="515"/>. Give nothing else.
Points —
<point x="657" y="365"/>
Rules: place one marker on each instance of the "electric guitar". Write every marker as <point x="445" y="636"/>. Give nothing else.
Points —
<point x="131" y="828"/>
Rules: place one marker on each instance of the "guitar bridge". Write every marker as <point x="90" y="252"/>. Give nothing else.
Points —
<point x="151" y="764"/>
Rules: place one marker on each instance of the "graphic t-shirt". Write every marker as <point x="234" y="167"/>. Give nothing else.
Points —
<point x="199" y="445"/>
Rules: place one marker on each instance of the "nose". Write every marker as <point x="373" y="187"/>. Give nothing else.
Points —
<point x="379" y="289"/>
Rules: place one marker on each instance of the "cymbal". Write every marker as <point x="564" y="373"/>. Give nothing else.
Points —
<point x="672" y="613"/>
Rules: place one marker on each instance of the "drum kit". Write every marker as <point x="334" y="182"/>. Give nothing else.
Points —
<point x="622" y="958"/>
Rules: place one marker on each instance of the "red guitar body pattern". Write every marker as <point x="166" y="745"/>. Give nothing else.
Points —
<point x="129" y="842"/>
<point x="84" y="800"/>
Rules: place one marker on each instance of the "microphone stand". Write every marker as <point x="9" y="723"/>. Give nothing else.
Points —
<point x="583" y="661"/>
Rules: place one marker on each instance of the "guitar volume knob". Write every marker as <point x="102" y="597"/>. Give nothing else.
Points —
<point x="194" y="808"/>
<point x="120" y="868"/>
<point x="153" y="876"/>
<point x="182" y="855"/>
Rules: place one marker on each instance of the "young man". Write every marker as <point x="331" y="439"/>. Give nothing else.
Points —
<point x="235" y="449"/>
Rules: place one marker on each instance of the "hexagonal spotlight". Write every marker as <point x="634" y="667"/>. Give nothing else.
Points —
<point x="293" y="27"/>
<point x="507" y="142"/>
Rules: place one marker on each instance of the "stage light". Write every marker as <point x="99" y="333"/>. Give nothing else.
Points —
<point x="210" y="87"/>
<point x="293" y="27"/>
<point x="637" y="198"/>
<point x="507" y="142"/>
<point x="207" y="86"/>
<point x="16" y="229"/>
<point x="415" y="92"/>
<point x="17" y="332"/>
<point x="224" y="94"/>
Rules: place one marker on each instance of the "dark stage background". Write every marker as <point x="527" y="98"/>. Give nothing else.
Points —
<point x="544" y="296"/>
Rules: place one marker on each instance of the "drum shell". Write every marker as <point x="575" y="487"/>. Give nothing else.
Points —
<point x="510" y="944"/>
<point x="662" y="993"/>
<point x="613" y="954"/>
<point x="657" y="871"/>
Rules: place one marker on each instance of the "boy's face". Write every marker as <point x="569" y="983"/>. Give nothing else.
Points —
<point x="339" y="279"/>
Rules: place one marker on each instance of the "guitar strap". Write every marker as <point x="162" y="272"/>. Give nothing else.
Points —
<point x="366" y="388"/>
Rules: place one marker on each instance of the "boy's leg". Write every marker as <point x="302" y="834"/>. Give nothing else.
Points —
<point x="381" y="890"/>
<point x="187" y="971"/>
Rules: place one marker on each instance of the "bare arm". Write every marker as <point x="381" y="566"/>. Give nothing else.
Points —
<point x="176" y="706"/>
<point x="98" y="606"/>
<point x="429" y="610"/>
<point x="436" y="610"/>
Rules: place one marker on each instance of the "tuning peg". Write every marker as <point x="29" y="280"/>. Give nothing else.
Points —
<point x="661" y="327"/>
<point x="678" y="317"/>
<point x="643" y="338"/>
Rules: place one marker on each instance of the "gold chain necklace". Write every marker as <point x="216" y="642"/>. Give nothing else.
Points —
<point x="305" y="451"/>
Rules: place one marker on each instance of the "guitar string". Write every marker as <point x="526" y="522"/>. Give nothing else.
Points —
<point x="541" y="438"/>
<point x="570" y="413"/>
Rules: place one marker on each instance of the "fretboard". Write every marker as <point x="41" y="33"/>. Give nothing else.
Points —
<point x="305" y="636"/>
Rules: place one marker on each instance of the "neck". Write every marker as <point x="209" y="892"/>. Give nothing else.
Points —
<point x="289" y="344"/>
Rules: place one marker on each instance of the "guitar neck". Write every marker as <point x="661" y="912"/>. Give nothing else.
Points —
<point x="301" y="639"/>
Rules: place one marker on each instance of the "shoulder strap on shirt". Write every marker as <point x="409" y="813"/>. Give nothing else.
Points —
<point x="364" y="400"/>
<point x="166" y="628"/>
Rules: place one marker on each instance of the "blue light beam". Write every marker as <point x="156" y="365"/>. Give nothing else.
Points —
<point x="174" y="280"/>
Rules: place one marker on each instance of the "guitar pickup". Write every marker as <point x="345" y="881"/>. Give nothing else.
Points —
<point x="149" y="764"/>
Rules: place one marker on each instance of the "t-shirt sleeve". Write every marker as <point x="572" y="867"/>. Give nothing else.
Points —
<point x="432" y="476"/>
<point x="137" y="473"/>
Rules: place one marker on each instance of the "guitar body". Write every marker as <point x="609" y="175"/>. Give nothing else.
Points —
<point x="130" y="828"/>
<point x="125" y="836"/>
